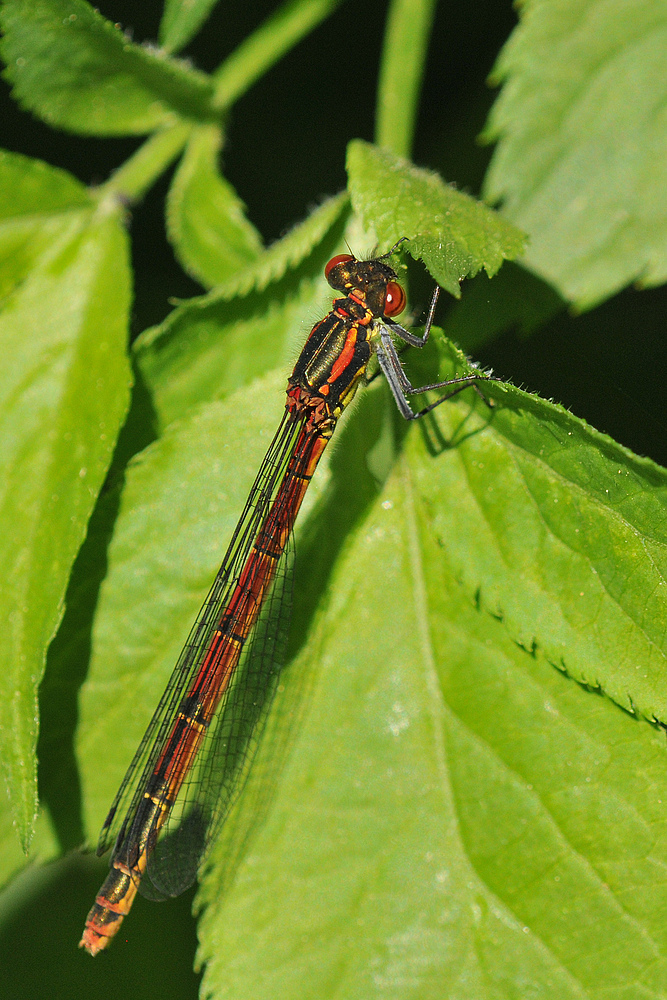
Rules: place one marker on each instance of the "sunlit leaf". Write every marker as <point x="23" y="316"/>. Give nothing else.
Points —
<point x="452" y="233"/>
<point x="206" y="219"/>
<point x="452" y="816"/>
<point x="64" y="392"/>
<point x="210" y="346"/>
<point x="582" y="150"/>
<point x="77" y="71"/>
<point x="427" y="780"/>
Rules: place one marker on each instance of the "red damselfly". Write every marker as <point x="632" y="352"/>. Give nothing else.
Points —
<point x="187" y="768"/>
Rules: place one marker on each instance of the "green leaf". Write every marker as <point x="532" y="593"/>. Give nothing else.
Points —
<point x="560" y="532"/>
<point x="453" y="817"/>
<point x="270" y="266"/>
<point x="181" y="21"/>
<point x="581" y="157"/>
<point x="289" y="252"/>
<point x="206" y="219"/>
<point x="201" y="353"/>
<point x="79" y="72"/>
<point x="432" y="802"/>
<point x="452" y="233"/>
<point x="34" y="200"/>
<point x="63" y="326"/>
<point x="211" y="345"/>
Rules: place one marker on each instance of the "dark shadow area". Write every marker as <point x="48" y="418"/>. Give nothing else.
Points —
<point x="608" y="366"/>
<point x="41" y="920"/>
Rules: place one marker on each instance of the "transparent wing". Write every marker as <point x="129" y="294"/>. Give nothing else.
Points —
<point x="124" y="825"/>
<point x="224" y="762"/>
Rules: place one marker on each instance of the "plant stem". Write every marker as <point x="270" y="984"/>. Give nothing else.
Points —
<point x="131" y="181"/>
<point x="402" y="69"/>
<point x="279" y="33"/>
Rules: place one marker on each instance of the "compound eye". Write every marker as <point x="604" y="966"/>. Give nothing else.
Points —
<point x="342" y="258"/>
<point x="394" y="302"/>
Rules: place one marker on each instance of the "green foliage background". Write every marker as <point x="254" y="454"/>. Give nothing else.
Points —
<point x="460" y="790"/>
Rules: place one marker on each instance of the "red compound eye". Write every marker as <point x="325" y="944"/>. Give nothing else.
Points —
<point x="394" y="302"/>
<point x="342" y="258"/>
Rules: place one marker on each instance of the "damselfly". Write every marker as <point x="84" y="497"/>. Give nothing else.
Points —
<point x="188" y="766"/>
